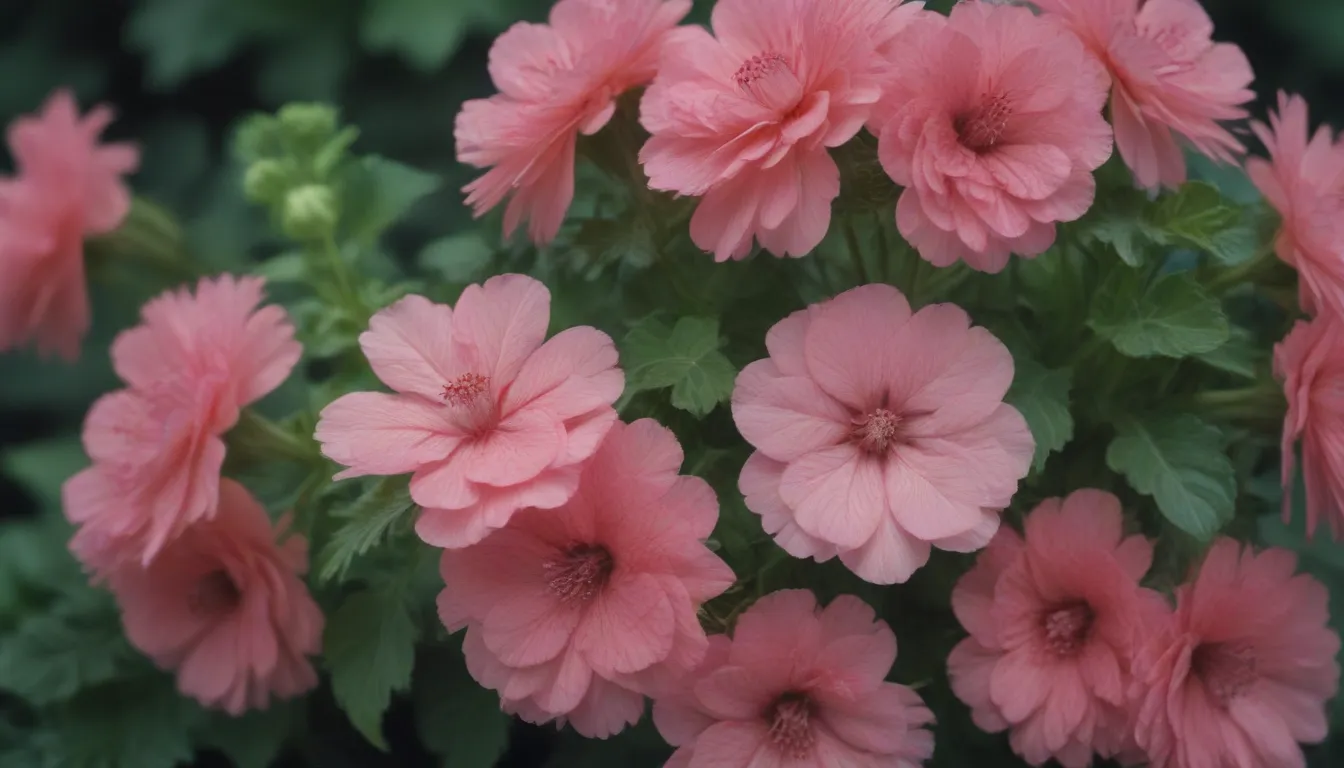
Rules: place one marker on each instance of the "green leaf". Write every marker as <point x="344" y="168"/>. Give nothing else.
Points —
<point x="1123" y="234"/>
<point x="456" y="718"/>
<point x="1180" y="462"/>
<point x="462" y="258"/>
<point x="180" y="39"/>
<point x="613" y="241"/>
<point x="1172" y="316"/>
<point x="289" y="267"/>
<point x="1239" y="355"/>
<point x="378" y="192"/>
<point x="685" y="358"/>
<point x="1197" y="215"/>
<point x="425" y="32"/>
<point x="254" y="739"/>
<point x="140" y="722"/>
<point x="1042" y="396"/>
<point x="53" y="655"/>
<point x="369" y="521"/>
<point x="43" y="467"/>
<point x="369" y="644"/>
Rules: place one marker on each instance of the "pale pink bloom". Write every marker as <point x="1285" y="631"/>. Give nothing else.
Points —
<point x="1244" y="670"/>
<point x="225" y="606"/>
<point x="880" y="433"/>
<point x="1304" y="181"/>
<point x="574" y="614"/>
<point x="1310" y="362"/>
<point x="743" y="118"/>
<point x="556" y="81"/>
<point x="489" y="418"/>
<point x="992" y="122"/>
<point x="68" y="187"/>
<point x="156" y="446"/>
<point x="1054" y="622"/>
<point x="1170" y="80"/>
<point x="797" y="686"/>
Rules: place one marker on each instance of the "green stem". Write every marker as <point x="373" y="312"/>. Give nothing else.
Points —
<point x="257" y="438"/>
<point x="852" y="242"/>
<point x="1248" y="271"/>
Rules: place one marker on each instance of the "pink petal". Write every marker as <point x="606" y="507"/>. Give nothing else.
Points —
<point x="515" y="451"/>
<point x="847" y="346"/>
<point x="786" y="418"/>
<point x="891" y="556"/>
<point x="379" y="434"/>
<point x="836" y="495"/>
<point x="455" y="528"/>
<point x="730" y="744"/>
<point x="570" y="375"/>
<point x="927" y="496"/>
<point x="504" y="321"/>
<point x="733" y="693"/>
<point x="410" y="347"/>
<point x="529" y="629"/>
<point x="628" y="627"/>
<point x="759" y="484"/>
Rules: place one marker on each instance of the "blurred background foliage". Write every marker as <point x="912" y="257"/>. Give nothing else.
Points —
<point x="182" y="73"/>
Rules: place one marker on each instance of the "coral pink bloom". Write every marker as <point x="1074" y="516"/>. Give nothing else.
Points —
<point x="556" y="81"/>
<point x="743" y="119"/>
<point x="225" y="606"/>
<point x="1304" y="181"/>
<point x="1169" y="80"/>
<point x="880" y="433"/>
<point x="992" y="121"/>
<point x="1243" y="672"/>
<point x="489" y="418"/>
<point x="1054" y="621"/>
<point x="1310" y="361"/>
<point x="69" y="186"/>
<point x="572" y="614"/>
<point x="797" y="686"/>
<point x="156" y="446"/>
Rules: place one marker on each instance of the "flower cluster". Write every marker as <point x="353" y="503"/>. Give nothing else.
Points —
<point x="204" y="585"/>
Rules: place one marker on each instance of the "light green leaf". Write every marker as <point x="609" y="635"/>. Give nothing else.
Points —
<point x="461" y="258"/>
<point x="1123" y="234"/>
<point x="1042" y="396"/>
<point x="289" y="267"/>
<point x="378" y="192"/>
<point x="1197" y="215"/>
<point x="425" y="32"/>
<point x="369" y="644"/>
<point x="368" y="522"/>
<point x="1180" y="462"/>
<point x="53" y="655"/>
<point x="254" y="739"/>
<point x="1172" y="316"/>
<point x="1239" y="355"/>
<point x="685" y="358"/>
<point x="456" y="718"/>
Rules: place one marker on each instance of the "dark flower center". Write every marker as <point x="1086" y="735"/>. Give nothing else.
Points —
<point x="1227" y="670"/>
<point x="465" y="390"/>
<point x="981" y="127"/>
<point x="580" y="573"/>
<point x="1067" y="628"/>
<point x="790" y="728"/>
<point x="878" y="430"/>
<point x="214" y="594"/>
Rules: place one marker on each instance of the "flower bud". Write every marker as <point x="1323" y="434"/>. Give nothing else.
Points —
<point x="309" y="212"/>
<point x="266" y="181"/>
<point x="308" y="125"/>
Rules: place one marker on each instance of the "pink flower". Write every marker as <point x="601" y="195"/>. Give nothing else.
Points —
<point x="556" y="81"/>
<point x="572" y="614"/>
<point x="1304" y="181"/>
<point x="225" y="606"/>
<point x="742" y="119"/>
<point x="1243" y="672"/>
<point x="1169" y="80"/>
<point x="1310" y="361"/>
<point x="797" y="686"/>
<point x="880" y="433"/>
<point x="1054" y="621"/>
<point x="156" y="448"/>
<point x="992" y="122"/>
<point x="489" y="418"/>
<point x="69" y="186"/>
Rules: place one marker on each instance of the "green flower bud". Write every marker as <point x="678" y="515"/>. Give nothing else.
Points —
<point x="308" y="125"/>
<point x="310" y="212"/>
<point x="266" y="181"/>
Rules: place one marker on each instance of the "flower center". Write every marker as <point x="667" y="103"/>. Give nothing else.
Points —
<point x="1067" y="628"/>
<point x="790" y="730"/>
<point x="214" y="594"/>
<point x="877" y="430"/>
<point x="768" y="78"/>
<point x="981" y="127"/>
<point x="465" y="390"/>
<point x="1227" y="669"/>
<point x="580" y="573"/>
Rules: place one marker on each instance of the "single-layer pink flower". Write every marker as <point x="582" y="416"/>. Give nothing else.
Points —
<point x="1054" y="623"/>
<point x="1304" y="181"/>
<point x="880" y="433"/>
<point x="68" y="186"/>
<point x="1170" y="80"/>
<point x="574" y="614"/>
<point x="797" y="686"/>
<point x="1244" y="670"/>
<point x="742" y="119"/>
<point x="489" y="418"/>
<point x="992" y="122"/>
<point x="156" y="446"/>
<point x="1310" y="362"/>
<point x="225" y="606"/>
<point x="556" y="81"/>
